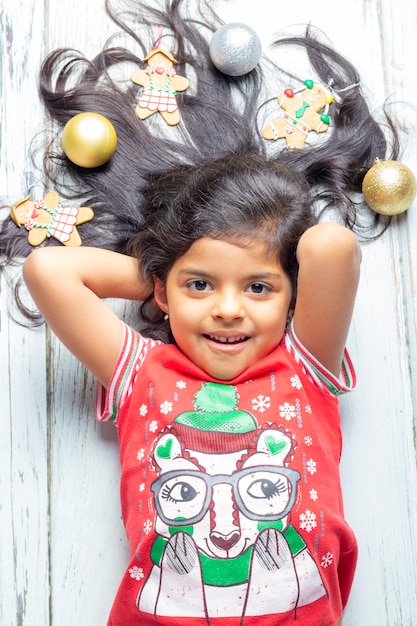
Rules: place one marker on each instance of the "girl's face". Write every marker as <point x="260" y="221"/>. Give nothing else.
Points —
<point x="227" y="305"/>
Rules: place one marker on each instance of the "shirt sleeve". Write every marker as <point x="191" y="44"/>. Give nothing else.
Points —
<point x="322" y="377"/>
<point x="132" y="354"/>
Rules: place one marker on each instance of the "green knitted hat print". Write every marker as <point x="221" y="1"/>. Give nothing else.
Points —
<point x="217" y="413"/>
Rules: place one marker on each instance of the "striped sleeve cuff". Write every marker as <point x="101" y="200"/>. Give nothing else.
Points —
<point x="336" y="385"/>
<point x="132" y="353"/>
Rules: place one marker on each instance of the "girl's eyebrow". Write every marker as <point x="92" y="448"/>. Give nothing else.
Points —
<point x="264" y="276"/>
<point x="258" y="276"/>
<point x="191" y="271"/>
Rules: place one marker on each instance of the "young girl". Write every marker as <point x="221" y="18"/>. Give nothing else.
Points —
<point x="226" y="402"/>
<point x="229" y="437"/>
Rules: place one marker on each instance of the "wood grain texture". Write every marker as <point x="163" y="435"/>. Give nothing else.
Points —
<point x="62" y="547"/>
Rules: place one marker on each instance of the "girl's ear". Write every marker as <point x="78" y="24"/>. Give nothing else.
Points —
<point x="160" y="294"/>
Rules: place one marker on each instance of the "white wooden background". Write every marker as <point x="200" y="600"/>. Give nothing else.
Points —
<point x="62" y="546"/>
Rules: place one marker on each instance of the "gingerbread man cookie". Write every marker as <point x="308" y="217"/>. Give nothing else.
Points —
<point x="160" y="83"/>
<point x="47" y="218"/>
<point x="300" y="115"/>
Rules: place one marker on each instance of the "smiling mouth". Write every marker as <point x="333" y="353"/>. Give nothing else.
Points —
<point x="228" y="340"/>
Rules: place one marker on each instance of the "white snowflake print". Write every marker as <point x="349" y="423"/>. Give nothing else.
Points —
<point x="296" y="382"/>
<point x="166" y="407"/>
<point x="140" y="454"/>
<point x="308" y="520"/>
<point x="308" y="409"/>
<point x="313" y="494"/>
<point x="153" y="426"/>
<point x="261" y="403"/>
<point x="181" y="384"/>
<point x="147" y="526"/>
<point x="136" y="572"/>
<point x="287" y="411"/>
<point x="311" y="466"/>
<point x="141" y="487"/>
<point x="308" y="441"/>
<point x="327" y="559"/>
<point x="143" y="410"/>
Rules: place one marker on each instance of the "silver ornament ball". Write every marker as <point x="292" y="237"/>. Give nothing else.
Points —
<point x="235" y="49"/>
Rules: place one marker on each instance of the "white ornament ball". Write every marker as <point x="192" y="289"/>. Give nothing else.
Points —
<point x="235" y="49"/>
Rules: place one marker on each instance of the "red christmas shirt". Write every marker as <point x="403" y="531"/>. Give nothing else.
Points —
<point x="230" y="492"/>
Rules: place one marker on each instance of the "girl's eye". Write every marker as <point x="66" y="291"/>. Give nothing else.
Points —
<point x="199" y="285"/>
<point x="259" y="288"/>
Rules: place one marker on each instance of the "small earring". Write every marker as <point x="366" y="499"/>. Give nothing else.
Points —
<point x="166" y="317"/>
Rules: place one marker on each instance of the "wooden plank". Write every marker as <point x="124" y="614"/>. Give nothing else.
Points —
<point x="378" y="464"/>
<point x="21" y="50"/>
<point x="24" y="553"/>
<point x="24" y="580"/>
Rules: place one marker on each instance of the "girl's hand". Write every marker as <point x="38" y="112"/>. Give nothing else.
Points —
<point x="68" y="285"/>
<point x="329" y="258"/>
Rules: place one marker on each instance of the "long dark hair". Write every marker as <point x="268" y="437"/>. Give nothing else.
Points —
<point x="212" y="173"/>
<point x="240" y="198"/>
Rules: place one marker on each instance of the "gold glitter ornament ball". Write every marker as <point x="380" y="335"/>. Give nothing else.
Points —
<point x="89" y="139"/>
<point x="389" y="187"/>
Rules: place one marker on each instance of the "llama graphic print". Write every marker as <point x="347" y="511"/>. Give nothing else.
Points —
<point x="222" y="497"/>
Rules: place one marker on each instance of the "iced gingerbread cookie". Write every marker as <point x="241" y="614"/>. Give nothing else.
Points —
<point x="300" y="115"/>
<point x="48" y="218"/>
<point x="160" y="83"/>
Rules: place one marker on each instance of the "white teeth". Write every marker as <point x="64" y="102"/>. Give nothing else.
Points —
<point x="227" y="339"/>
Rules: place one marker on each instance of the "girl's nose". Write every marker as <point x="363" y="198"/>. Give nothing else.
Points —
<point x="228" y="306"/>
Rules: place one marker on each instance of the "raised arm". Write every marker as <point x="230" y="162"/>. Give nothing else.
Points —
<point x="68" y="285"/>
<point x="329" y="258"/>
